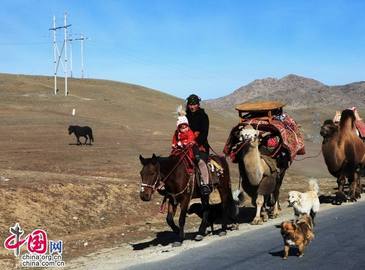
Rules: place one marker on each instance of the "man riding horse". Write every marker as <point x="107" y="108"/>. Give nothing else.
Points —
<point x="199" y="124"/>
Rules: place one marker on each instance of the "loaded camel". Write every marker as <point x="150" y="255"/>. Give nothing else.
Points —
<point x="261" y="177"/>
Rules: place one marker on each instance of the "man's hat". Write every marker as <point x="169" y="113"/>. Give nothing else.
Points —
<point x="193" y="100"/>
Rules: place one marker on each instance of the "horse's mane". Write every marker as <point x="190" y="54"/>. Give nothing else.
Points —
<point x="347" y="115"/>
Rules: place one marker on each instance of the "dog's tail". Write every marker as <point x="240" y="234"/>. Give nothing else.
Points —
<point x="313" y="185"/>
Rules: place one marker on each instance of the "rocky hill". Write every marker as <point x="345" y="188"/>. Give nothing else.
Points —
<point x="297" y="92"/>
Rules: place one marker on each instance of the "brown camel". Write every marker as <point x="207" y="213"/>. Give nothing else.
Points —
<point x="344" y="154"/>
<point x="261" y="179"/>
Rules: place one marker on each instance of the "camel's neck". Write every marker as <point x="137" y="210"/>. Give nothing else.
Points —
<point x="253" y="165"/>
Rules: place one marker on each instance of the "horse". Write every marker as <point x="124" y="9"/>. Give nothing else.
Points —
<point x="344" y="154"/>
<point x="169" y="176"/>
<point x="81" y="132"/>
<point x="261" y="177"/>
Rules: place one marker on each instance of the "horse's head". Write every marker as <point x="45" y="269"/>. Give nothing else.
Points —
<point x="70" y="129"/>
<point x="150" y="175"/>
<point x="328" y="129"/>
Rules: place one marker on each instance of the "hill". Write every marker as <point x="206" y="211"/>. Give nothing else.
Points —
<point x="88" y="196"/>
<point x="310" y="102"/>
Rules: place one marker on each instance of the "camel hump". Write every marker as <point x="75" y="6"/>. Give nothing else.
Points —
<point x="313" y="185"/>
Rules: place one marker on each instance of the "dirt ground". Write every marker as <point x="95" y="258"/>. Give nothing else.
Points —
<point x="87" y="196"/>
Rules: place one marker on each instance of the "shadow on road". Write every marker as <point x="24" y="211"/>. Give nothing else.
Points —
<point x="162" y="238"/>
<point x="246" y="215"/>
<point x="293" y="251"/>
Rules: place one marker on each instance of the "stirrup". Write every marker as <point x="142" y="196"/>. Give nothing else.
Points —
<point x="205" y="190"/>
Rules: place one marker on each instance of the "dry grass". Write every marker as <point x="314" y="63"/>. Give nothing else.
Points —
<point x="89" y="194"/>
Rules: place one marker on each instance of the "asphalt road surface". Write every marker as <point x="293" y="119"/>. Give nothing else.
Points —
<point x="339" y="244"/>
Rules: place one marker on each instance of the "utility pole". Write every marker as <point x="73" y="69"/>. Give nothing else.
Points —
<point x="71" y="67"/>
<point x="57" y="55"/>
<point x="82" y="39"/>
<point x="65" y="42"/>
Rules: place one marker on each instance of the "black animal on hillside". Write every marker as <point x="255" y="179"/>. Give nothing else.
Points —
<point x="85" y="132"/>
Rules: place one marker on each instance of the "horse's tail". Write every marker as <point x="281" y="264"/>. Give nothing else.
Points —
<point x="91" y="135"/>
<point x="232" y="204"/>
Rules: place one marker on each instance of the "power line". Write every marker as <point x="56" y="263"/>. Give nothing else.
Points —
<point x="56" y="53"/>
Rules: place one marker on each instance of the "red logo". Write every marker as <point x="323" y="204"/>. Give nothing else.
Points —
<point x="36" y="241"/>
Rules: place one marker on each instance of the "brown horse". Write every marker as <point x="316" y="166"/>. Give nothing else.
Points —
<point x="169" y="176"/>
<point x="344" y="154"/>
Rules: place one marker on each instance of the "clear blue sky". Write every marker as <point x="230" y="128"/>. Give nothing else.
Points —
<point x="207" y="47"/>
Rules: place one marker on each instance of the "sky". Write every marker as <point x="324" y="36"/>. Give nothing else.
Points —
<point x="210" y="48"/>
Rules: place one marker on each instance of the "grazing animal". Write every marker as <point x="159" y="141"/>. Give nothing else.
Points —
<point x="171" y="179"/>
<point x="307" y="202"/>
<point x="261" y="178"/>
<point x="85" y="132"/>
<point x="215" y="214"/>
<point x="297" y="233"/>
<point x="344" y="154"/>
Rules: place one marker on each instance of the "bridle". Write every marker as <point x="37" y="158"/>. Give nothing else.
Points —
<point x="154" y="185"/>
<point x="159" y="182"/>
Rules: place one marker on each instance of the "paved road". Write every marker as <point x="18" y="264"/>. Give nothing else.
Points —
<point x="339" y="244"/>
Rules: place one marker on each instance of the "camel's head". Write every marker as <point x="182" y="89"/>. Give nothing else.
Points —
<point x="328" y="129"/>
<point x="248" y="133"/>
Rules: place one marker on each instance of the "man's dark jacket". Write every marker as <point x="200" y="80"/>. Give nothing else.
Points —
<point x="199" y="121"/>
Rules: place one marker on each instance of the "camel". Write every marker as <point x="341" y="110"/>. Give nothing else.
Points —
<point x="261" y="178"/>
<point x="344" y="154"/>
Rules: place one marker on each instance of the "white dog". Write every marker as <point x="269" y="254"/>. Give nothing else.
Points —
<point x="307" y="202"/>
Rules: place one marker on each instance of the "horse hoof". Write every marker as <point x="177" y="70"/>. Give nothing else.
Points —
<point x="222" y="233"/>
<point x="257" y="221"/>
<point x="353" y="199"/>
<point x="273" y="216"/>
<point x="198" y="237"/>
<point x="235" y="227"/>
<point x="176" y="244"/>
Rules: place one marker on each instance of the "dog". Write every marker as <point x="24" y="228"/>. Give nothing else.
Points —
<point x="215" y="214"/>
<point x="307" y="202"/>
<point x="297" y="233"/>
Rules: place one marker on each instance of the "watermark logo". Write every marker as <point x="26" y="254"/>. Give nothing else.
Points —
<point x="37" y="245"/>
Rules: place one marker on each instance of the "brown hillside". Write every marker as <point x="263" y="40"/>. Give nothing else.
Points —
<point x="88" y="195"/>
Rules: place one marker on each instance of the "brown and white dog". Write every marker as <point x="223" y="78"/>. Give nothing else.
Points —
<point x="307" y="202"/>
<point x="297" y="233"/>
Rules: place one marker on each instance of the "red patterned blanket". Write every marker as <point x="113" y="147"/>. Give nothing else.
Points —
<point x="283" y="125"/>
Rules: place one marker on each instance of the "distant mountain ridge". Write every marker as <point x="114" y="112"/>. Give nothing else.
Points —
<point x="296" y="91"/>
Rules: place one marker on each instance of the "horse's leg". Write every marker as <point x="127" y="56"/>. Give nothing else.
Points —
<point x="85" y="139"/>
<point x="170" y="217"/>
<point x="204" y="223"/>
<point x="226" y="210"/>
<point x="184" y="204"/>
<point x="78" y="140"/>
<point x="259" y="203"/>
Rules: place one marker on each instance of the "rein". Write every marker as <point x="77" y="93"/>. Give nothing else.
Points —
<point x="160" y="179"/>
